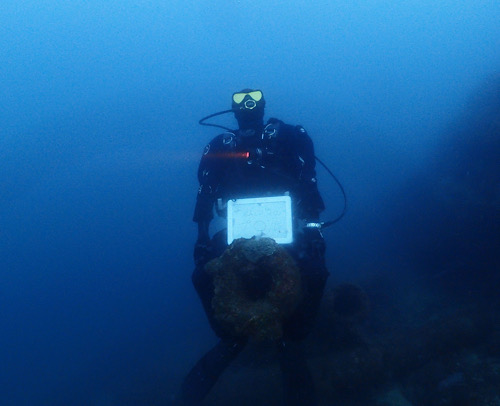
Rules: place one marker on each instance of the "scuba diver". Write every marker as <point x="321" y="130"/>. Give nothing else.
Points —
<point x="258" y="160"/>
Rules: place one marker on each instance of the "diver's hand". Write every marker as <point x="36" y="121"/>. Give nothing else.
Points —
<point x="314" y="241"/>
<point x="203" y="252"/>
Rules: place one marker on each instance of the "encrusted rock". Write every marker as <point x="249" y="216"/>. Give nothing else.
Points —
<point x="257" y="286"/>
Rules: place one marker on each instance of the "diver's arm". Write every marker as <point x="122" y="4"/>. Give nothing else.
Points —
<point x="203" y="212"/>
<point x="209" y="175"/>
<point x="203" y="235"/>
<point x="311" y="202"/>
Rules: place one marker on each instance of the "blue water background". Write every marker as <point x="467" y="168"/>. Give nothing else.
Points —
<point x="99" y="147"/>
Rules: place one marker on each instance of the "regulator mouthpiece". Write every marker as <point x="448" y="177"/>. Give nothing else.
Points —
<point x="249" y="104"/>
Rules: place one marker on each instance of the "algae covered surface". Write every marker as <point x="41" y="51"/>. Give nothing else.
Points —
<point x="257" y="287"/>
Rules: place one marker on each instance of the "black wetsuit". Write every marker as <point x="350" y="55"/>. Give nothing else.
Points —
<point x="276" y="160"/>
<point x="279" y="160"/>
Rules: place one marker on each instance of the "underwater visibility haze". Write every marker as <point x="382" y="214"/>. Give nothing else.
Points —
<point x="99" y="148"/>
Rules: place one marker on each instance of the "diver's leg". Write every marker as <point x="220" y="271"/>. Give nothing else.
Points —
<point x="298" y="385"/>
<point x="203" y="282"/>
<point x="297" y="380"/>
<point x="204" y="286"/>
<point x="207" y="370"/>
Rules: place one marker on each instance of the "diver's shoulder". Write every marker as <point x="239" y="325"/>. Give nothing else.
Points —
<point x="220" y="142"/>
<point x="287" y="128"/>
<point x="222" y="138"/>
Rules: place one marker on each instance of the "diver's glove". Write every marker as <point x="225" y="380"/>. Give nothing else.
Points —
<point x="314" y="241"/>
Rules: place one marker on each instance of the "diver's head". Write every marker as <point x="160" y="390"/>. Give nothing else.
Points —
<point x="248" y="106"/>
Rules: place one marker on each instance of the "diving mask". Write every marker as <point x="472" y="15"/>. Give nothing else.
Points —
<point x="255" y="95"/>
